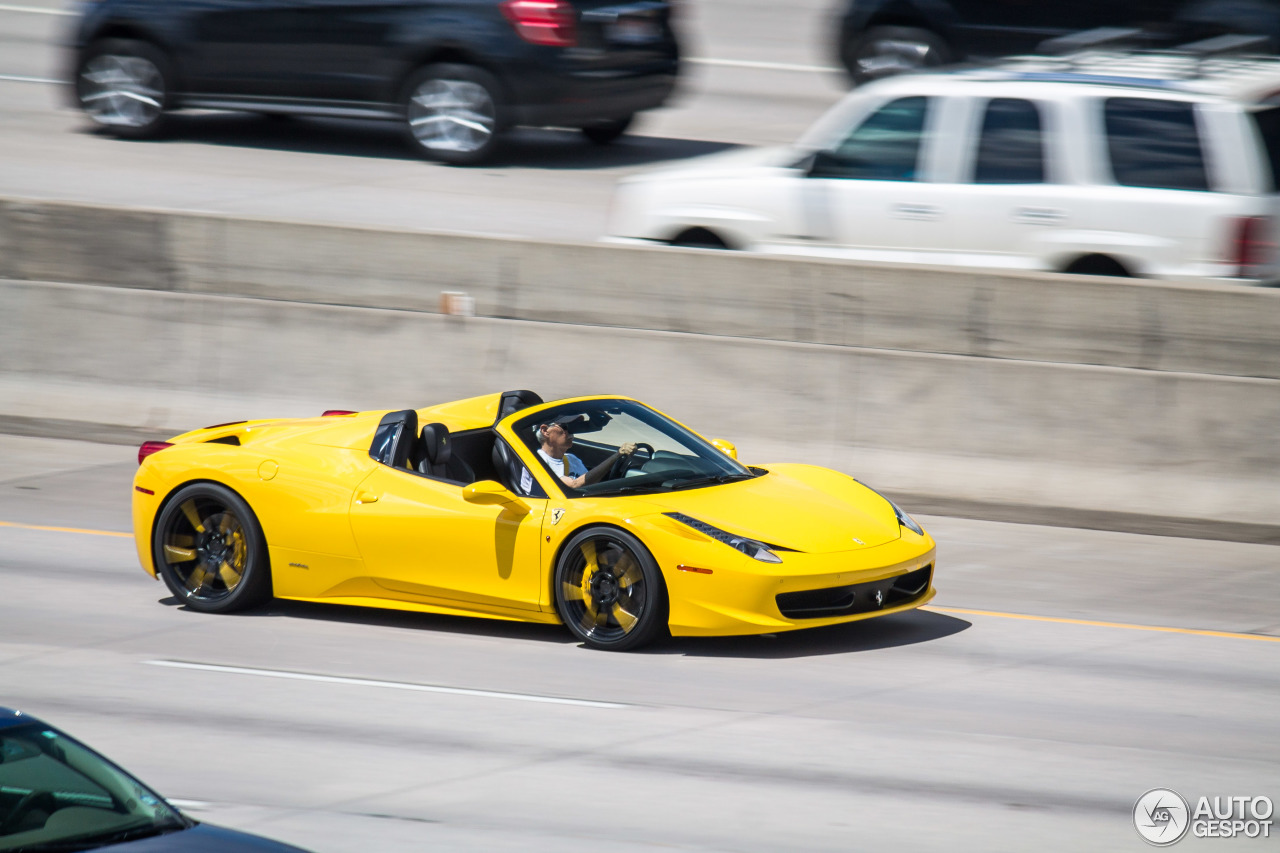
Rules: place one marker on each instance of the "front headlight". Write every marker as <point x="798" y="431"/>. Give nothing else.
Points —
<point x="906" y="520"/>
<point x="903" y="519"/>
<point x="752" y="548"/>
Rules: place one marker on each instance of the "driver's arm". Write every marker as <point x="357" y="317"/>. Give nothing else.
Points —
<point x="597" y="473"/>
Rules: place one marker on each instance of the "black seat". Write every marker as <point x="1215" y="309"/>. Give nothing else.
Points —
<point x="434" y="456"/>
<point x="393" y="440"/>
<point x="514" y="401"/>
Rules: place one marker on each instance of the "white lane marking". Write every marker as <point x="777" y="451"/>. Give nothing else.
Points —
<point x="15" y="79"/>
<point x="764" y="66"/>
<point x="394" y="685"/>
<point x="36" y="10"/>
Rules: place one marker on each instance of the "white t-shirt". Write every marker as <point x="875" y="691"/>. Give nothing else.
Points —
<point x="570" y="466"/>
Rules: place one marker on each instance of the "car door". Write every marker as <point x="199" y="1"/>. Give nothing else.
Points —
<point x="423" y="542"/>
<point x="873" y="195"/>
<point x="311" y="50"/>
<point x="1014" y="182"/>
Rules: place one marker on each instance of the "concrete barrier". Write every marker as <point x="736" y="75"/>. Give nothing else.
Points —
<point x="1000" y="430"/>
<point x="1228" y="330"/>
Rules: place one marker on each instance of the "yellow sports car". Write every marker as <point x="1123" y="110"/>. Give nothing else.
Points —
<point x="596" y="512"/>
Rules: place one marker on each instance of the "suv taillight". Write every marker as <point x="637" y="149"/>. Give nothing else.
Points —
<point x="1253" y="246"/>
<point x="546" y="22"/>
<point x="149" y="447"/>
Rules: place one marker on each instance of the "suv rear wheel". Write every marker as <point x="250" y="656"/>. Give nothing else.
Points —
<point x="124" y="86"/>
<point x="604" y="132"/>
<point x="453" y="113"/>
<point x="882" y="51"/>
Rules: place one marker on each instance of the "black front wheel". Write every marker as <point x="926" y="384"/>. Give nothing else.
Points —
<point x="609" y="591"/>
<point x="210" y="551"/>
<point x="123" y="85"/>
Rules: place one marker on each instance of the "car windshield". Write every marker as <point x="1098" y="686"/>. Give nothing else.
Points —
<point x="667" y="456"/>
<point x="58" y="795"/>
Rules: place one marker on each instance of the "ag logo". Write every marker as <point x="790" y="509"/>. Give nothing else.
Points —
<point x="556" y="515"/>
<point x="1161" y="817"/>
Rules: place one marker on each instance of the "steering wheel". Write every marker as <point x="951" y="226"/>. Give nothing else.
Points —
<point x="42" y="800"/>
<point x="622" y="463"/>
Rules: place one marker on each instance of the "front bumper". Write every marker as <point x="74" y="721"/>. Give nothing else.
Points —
<point x="743" y="596"/>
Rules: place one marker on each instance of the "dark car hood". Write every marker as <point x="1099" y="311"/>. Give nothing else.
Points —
<point x="203" y="838"/>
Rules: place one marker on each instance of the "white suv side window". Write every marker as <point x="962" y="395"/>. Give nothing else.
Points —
<point x="1011" y="147"/>
<point x="1155" y="143"/>
<point x="884" y="147"/>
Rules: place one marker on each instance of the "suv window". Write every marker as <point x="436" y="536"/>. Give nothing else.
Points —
<point x="1154" y="143"/>
<point x="886" y="146"/>
<point x="1011" y="148"/>
<point x="1268" y="123"/>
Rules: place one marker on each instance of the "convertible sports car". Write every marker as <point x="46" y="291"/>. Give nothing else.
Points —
<point x="465" y="516"/>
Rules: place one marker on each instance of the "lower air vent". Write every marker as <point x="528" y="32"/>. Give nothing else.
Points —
<point x="855" y="598"/>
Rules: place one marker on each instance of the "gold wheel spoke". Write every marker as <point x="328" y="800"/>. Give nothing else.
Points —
<point x="229" y="575"/>
<point x="631" y="575"/>
<point x="189" y="510"/>
<point x="587" y="620"/>
<point x="175" y="554"/>
<point x="195" y="580"/>
<point x="227" y="523"/>
<point x="625" y="619"/>
<point x="588" y="549"/>
<point x="572" y="592"/>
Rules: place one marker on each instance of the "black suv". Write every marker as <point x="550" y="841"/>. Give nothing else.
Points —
<point x="881" y="37"/>
<point x="456" y="72"/>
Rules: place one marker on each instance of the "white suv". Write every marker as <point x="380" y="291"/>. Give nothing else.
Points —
<point x="1111" y="163"/>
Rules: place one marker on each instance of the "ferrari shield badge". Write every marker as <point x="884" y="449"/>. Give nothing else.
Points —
<point x="556" y="515"/>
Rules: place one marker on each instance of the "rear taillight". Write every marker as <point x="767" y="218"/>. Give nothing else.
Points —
<point x="546" y="22"/>
<point x="149" y="447"/>
<point x="1253" y="246"/>
<point x="333" y="413"/>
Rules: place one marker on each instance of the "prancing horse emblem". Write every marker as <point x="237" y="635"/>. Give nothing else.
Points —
<point x="556" y="514"/>
<point x="879" y="597"/>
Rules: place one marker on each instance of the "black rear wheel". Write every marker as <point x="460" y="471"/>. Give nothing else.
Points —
<point x="884" y="51"/>
<point x="604" y="132"/>
<point x="454" y="113"/>
<point x="210" y="551"/>
<point x="609" y="591"/>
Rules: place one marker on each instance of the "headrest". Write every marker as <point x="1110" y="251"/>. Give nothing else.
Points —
<point x="435" y="443"/>
<point x="514" y="401"/>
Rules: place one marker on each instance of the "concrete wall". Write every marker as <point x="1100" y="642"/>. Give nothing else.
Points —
<point x="1053" y="391"/>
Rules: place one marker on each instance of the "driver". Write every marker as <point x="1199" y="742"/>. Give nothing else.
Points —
<point x="556" y="437"/>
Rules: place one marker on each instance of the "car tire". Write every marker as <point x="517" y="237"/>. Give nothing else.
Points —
<point x="608" y="590"/>
<point x="124" y="86"/>
<point x="454" y="113"/>
<point x="209" y="550"/>
<point x="883" y="51"/>
<point x="699" y="238"/>
<point x="604" y="132"/>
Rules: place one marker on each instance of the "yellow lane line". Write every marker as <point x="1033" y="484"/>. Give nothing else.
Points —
<point x="1159" y="628"/>
<point x="66" y="529"/>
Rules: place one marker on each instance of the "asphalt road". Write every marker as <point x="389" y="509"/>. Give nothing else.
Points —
<point x="546" y="184"/>
<point x="942" y="729"/>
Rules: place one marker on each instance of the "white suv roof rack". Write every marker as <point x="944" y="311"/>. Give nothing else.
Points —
<point x="1222" y="65"/>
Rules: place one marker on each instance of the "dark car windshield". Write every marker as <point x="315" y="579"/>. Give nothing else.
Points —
<point x="58" y="795"/>
<point x="668" y="457"/>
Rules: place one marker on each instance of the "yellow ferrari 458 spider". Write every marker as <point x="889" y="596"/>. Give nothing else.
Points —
<point x="596" y="512"/>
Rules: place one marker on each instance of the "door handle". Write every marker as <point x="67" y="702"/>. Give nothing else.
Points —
<point x="366" y="498"/>
<point x="917" y="211"/>
<point x="1038" y="215"/>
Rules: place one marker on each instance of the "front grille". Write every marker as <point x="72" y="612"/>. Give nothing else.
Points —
<point x="855" y="598"/>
